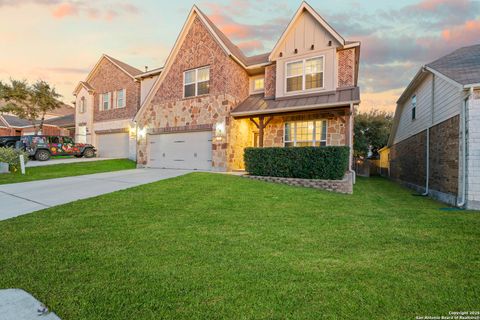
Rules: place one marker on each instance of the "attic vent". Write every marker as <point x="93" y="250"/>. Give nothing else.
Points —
<point x="330" y="43"/>
<point x="281" y="54"/>
<point x="146" y="68"/>
<point x="312" y="47"/>
<point x="295" y="51"/>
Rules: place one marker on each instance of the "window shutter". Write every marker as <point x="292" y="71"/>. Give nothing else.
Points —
<point x="109" y="100"/>
<point x="124" y="98"/>
<point x="100" y="102"/>
<point x="114" y="100"/>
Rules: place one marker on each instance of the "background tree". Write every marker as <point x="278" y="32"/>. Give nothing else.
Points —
<point x="371" y="130"/>
<point x="29" y="102"/>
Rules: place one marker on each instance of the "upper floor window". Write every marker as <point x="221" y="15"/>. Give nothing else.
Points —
<point x="305" y="74"/>
<point x="82" y="107"/>
<point x="196" y="82"/>
<point x="414" y="107"/>
<point x="259" y="84"/>
<point x="120" y="103"/>
<point x="306" y="133"/>
<point x="105" y="101"/>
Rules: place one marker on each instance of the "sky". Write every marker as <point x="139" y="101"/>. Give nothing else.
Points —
<point x="60" y="41"/>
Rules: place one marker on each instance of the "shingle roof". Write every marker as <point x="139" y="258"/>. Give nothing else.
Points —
<point x="462" y="65"/>
<point x="257" y="104"/>
<point x="14" y="121"/>
<point x="128" y="68"/>
<point x="64" y="121"/>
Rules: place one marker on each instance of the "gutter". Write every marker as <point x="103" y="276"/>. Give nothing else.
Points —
<point x="461" y="203"/>
<point x="351" y="126"/>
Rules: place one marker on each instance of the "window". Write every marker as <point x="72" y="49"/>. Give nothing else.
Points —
<point x="105" y="101"/>
<point x="414" y="107"/>
<point x="196" y="82"/>
<point x="259" y="84"/>
<point x="120" y="98"/>
<point x="305" y="75"/>
<point x="82" y="107"/>
<point x="306" y="133"/>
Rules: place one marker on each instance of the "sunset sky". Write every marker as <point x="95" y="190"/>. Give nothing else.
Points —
<point x="60" y="41"/>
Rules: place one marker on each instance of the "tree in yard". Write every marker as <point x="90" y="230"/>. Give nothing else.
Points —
<point x="371" y="130"/>
<point x="29" y="102"/>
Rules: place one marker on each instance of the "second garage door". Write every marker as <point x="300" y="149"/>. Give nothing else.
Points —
<point x="187" y="150"/>
<point x="112" y="145"/>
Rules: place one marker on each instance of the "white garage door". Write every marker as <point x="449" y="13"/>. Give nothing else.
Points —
<point x="188" y="150"/>
<point x="112" y="145"/>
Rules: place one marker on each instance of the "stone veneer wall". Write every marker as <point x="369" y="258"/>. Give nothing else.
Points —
<point x="336" y="131"/>
<point x="346" y="68"/>
<point x="270" y="78"/>
<point x="229" y="85"/>
<point x="408" y="160"/>
<point x="341" y="186"/>
<point x="109" y="78"/>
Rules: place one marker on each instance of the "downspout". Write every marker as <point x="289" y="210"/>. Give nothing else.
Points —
<point x="463" y="120"/>
<point x="427" y="156"/>
<point x="350" y="142"/>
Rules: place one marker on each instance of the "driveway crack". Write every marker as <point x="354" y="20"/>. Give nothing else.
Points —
<point x="26" y="199"/>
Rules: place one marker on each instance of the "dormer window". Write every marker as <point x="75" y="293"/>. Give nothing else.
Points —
<point x="305" y="75"/>
<point x="196" y="82"/>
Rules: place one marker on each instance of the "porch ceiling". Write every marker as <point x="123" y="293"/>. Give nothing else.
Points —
<point x="258" y="105"/>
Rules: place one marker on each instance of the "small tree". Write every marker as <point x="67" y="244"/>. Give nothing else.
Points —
<point x="372" y="130"/>
<point x="29" y="102"/>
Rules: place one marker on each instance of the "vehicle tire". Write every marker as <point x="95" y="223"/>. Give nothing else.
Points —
<point x="42" y="155"/>
<point x="78" y="156"/>
<point x="89" y="153"/>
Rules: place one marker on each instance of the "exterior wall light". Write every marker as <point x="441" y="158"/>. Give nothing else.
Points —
<point x="142" y="133"/>
<point x="220" y="131"/>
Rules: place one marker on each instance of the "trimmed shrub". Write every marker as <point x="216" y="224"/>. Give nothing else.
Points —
<point x="327" y="163"/>
<point x="12" y="157"/>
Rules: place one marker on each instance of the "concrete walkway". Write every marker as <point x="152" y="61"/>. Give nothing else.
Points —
<point x="16" y="304"/>
<point x="22" y="198"/>
<point x="33" y="163"/>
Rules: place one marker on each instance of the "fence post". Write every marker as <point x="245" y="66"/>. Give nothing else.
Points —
<point x="22" y="163"/>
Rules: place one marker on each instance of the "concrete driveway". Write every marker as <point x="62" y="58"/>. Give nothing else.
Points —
<point x="33" y="163"/>
<point x="22" y="198"/>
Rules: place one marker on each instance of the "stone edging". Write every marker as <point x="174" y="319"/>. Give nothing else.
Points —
<point x="340" y="186"/>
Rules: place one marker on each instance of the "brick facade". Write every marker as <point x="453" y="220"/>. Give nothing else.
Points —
<point x="109" y="78"/>
<point x="7" y="132"/>
<point x="229" y="85"/>
<point x="408" y="159"/>
<point x="270" y="80"/>
<point x="346" y="68"/>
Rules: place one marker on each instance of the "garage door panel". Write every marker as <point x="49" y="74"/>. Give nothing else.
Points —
<point x="113" y="145"/>
<point x="190" y="150"/>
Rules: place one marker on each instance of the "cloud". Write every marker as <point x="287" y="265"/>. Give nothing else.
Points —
<point x="67" y="70"/>
<point x="251" y="46"/>
<point x="64" y="10"/>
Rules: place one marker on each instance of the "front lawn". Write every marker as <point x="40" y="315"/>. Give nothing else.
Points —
<point x="67" y="170"/>
<point x="210" y="246"/>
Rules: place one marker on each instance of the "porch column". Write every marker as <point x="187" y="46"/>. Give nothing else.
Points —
<point x="261" y="124"/>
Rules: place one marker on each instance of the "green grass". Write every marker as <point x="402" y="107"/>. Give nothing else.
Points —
<point x="207" y="246"/>
<point x="67" y="170"/>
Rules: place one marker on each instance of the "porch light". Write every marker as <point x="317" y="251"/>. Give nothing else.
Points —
<point x="142" y="133"/>
<point x="220" y="130"/>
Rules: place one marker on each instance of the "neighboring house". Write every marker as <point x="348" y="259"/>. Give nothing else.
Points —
<point x="106" y="103"/>
<point x="63" y="110"/>
<point x="66" y="122"/>
<point x="14" y="126"/>
<point x="435" y="139"/>
<point x="210" y="101"/>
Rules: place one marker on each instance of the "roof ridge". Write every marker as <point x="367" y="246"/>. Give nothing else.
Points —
<point x="132" y="71"/>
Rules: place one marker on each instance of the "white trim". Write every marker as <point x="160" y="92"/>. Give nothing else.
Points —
<point x="306" y="7"/>
<point x="352" y="45"/>
<point x="303" y="90"/>
<point x="195" y="81"/>
<point x="314" y="133"/>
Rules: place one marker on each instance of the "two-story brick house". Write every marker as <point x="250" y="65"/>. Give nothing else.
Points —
<point x="211" y="101"/>
<point x="106" y="103"/>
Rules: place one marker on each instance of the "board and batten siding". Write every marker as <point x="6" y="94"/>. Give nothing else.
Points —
<point x="447" y="104"/>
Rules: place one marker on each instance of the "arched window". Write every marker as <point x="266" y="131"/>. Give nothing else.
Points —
<point x="82" y="106"/>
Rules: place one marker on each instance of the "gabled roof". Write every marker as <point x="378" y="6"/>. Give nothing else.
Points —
<point x="149" y="73"/>
<point x="306" y="7"/>
<point x="462" y="65"/>
<point x="127" y="69"/>
<point x="85" y="85"/>
<point x="14" y="121"/>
